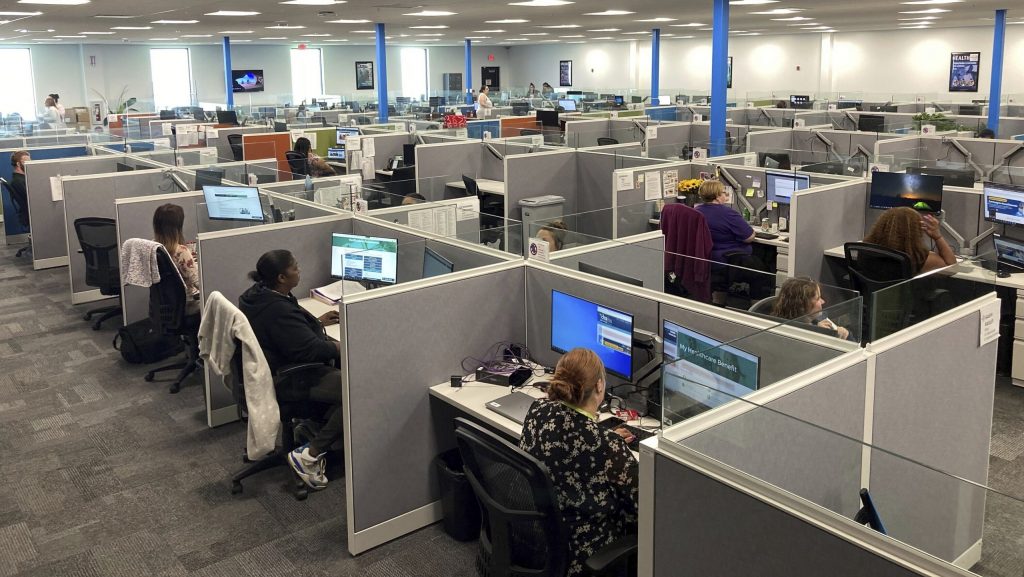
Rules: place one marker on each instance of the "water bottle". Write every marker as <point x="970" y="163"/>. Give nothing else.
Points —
<point x="309" y="183"/>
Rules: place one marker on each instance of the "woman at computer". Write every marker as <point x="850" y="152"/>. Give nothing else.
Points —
<point x="900" y="229"/>
<point x="484" y="105"/>
<point x="546" y="90"/>
<point x="729" y="232"/>
<point x="300" y="157"/>
<point x="288" y="334"/>
<point x="800" y="299"/>
<point x="593" y="472"/>
<point x="531" y="92"/>
<point x="553" y="233"/>
<point x="168" y="220"/>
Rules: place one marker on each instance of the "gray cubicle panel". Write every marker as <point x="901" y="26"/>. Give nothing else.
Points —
<point x="950" y="433"/>
<point x="492" y="160"/>
<point x="398" y="342"/>
<point x="49" y="244"/>
<point x="631" y="129"/>
<point x="631" y="212"/>
<point x="641" y="257"/>
<point x="835" y="214"/>
<point x="94" y="196"/>
<point x="670" y="139"/>
<point x="450" y="160"/>
<point x="220" y="142"/>
<point x="700" y="136"/>
<point x="236" y="171"/>
<point x="56" y="140"/>
<point x="387" y="145"/>
<point x="583" y="133"/>
<point x="135" y="220"/>
<point x="777" y="140"/>
<point x="227" y="257"/>
<point x="186" y="156"/>
<point x="466" y="229"/>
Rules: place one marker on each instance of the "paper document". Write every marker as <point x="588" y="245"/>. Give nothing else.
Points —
<point x="652" y="185"/>
<point x="333" y="292"/>
<point x="467" y="209"/>
<point x="444" y="220"/>
<point x="211" y="132"/>
<point x="368" y="147"/>
<point x="989" y="323"/>
<point x="652" y="132"/>
<point x="353" y="143"/>
<point x="165" y="128"/>
<point x="56" y="188"/>
<point x="422" y="220"/>
<point x="669" y="180"/>
<point x="624" y="181"/>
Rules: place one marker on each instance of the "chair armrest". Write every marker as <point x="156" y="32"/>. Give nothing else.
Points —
<point x="612" y="555"/>
<point x="294" y="369"/>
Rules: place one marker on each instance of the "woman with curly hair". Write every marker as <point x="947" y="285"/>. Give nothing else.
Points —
<point x="900" y="229"/>
<point x="800" y="298"/>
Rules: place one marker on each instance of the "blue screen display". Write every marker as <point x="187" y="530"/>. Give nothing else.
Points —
<point x="608" y="332"/>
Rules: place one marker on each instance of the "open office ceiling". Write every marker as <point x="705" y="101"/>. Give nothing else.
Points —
<point x="440" y="22"/>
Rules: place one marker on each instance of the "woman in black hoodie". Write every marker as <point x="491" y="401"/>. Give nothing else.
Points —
<point x="288" y="334"/>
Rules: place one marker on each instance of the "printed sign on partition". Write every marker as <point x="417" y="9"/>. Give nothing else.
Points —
<point x="964" y="69"/>
<point x="700" y="155"/>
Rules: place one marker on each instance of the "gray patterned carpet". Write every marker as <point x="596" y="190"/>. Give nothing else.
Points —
<point x="102" y="474"/>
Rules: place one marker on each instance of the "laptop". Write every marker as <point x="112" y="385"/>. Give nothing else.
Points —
<point x="514" y="406"/>
<point x="335" y="154"/>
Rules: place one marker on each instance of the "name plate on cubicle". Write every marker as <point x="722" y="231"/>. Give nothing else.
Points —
<point x="927" y="129"/>
<point x="700" y="155"/>
<point x="698" y="118"/>
<point x="832" y="107"/>
<point x="799" y="123"/>
<point x="538" y="249"/>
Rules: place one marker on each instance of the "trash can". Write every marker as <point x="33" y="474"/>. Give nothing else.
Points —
<point x="458" y="503"/>
<point x="539" y="210"/>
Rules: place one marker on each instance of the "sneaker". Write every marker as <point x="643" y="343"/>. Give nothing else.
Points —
<point x="310" y="469"/>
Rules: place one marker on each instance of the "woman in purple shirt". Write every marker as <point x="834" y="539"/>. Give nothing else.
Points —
<point x="729" y="232"/>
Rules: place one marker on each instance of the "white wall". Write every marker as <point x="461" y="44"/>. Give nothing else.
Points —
<point x="605" y="66"/>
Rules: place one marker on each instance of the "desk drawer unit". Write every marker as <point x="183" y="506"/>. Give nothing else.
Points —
<point x="1017" y="365"/>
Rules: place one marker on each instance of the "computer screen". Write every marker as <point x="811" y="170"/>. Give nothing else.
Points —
<point x="605" y="273"/>
<point x="356" y="257"/>
<point x="774" y="160"/>
<point x="435" y="264"/>
<point x="346" y="131"/>
<point x="548" y="117"/>
<point x="950" y="176"/>
<point x="619" y="101"/>
<point x="799" y="101"/>
<point x="969" y="110"/>
<point x="1004" y="203"/>
<point x="919" y="192"/>
<point x="227" y="117"/>
<point x="871" y="123"/>
<point x="781" y="186"/>
<point x="233" y="203"/>
<point x="246" y="81"/>
<point x="568" y="104"/>
<point x="702" y="370"/>
<point x="1009" y="251"/>
<point x="408" y="154"/>
<point x="579" y="323"/>
<point x="121" y="167"/>
<point x="208" y="177"/>
<point x="831" y="167"/>
<point x="336" y="153"/>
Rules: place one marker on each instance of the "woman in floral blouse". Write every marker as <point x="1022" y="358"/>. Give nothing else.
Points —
<point x="592" y="469"/>
<point x="167" y="223"/>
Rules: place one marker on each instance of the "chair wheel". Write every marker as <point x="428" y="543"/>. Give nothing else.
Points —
<point x="148" y="378"/>
<point x="301" y="493"/>
<point x="174" y="388"/>
<point x="87" y="317"/>
<point x="236" y="487"/>
<point x="96" y="326"/>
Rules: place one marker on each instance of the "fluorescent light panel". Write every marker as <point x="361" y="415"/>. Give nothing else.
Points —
<point x="609" y="13"/>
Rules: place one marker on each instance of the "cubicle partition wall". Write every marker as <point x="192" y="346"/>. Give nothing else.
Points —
<point x="12" y="226"/>
<point x="388" y="145"/>
<point x="834" y="214"/>
<point x="218" y="138"/>
<point x="270" y="145"/>
<point x="639" y="257"/>
<point x="584" y="133"/>
<point x="446" y="161"/>
<point x="437" y="217"/>
<point x="635" y="188"/>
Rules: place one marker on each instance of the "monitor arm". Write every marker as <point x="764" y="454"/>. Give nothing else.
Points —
<point x="848" y="115"/>
<point x="968" y="156"/>
<point x="641" y="127"/>
<point x="771" y="121"/>
<point x="1005" y="160"/>
<point x="735" y="184"/>
<point x="830" y="147"/>
<point x="178" y="182"/>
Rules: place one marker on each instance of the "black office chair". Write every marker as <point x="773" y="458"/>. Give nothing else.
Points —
<point x="21" y="208"/>
<point x="764" y="306"/>
<point x="235" y="142"/>
<point x="605" y="141"/>
<point x="522" y="533"/>
<point x="403" y="181"/>
<point x="98" y="238"/>
<point x="471" y="187"/>
<point x="743" y="282"/>
<point x="167" y="311"/>
<point x="873" y="268"/>
<point x="297" y="163"/>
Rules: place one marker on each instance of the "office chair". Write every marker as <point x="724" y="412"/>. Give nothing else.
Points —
<point x="21" y="207"/>
<point x="98" y="238"/>
<point x="604" y="141"/>
<point x="764" y="306"/>
<point x="744" y="281"/>
<point x="297" y="162"/>
<point x="522" y="532"/>
<point x="873" y="268"/>
<point x="471" y="187"/>
<point x="167" y="312"/>
<point x="235" y="142"/>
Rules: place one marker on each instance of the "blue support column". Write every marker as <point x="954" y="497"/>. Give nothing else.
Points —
<point x="719" y="73"/>
<point x="655" y="65"/>
<point x="995" y="93"/>
<point x="469" y="72"/>
<point x="382" y="76"/>
<point x="228" y="84"/>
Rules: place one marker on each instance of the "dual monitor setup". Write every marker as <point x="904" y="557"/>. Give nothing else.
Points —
<point x="337" y="152"/>
<point x="374" y="260"/>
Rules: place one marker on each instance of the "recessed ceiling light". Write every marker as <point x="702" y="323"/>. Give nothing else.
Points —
<point x="605" y="30"/>
<point x="69" y="36"/>
<point x="750" y="34"/>
<point x="792" y="19"/>
<point x="751" y="2"/>
<point x="575" y="42"/>
<point x="488" y="31"/>
<point x="602" y="38"/>
<point x="780" y="11"/>
<point x="641" y="32"/>
<point x="922" y="18"/>
<point x="131" y="28"/>
<point x="96" y="33"/>
<point x="233" y="13"/>
<point x="477" y="37"/>
<point x="516" y="39"/>
<point x="507" y="21"/>
<point x="120" y="16"/>
<point x="274" y="38"/>
<point x="428" y="40"/>
<point x="343" y="21"/>
<point x="690" y="25"/>
<point x="431" y="13"/>
<point x="535" y="34"/>
<point x="336" y="40"/>
<point x="428" y="35"/>
<point x="438" y="27"/>
<point x="658" y="19"/>
<point x="174" y="22"/>
<point x="609" y="13"/>
<point x="10" y="13"/>
<point x="364" y="31"/>
<point x="57" y="2"/>
<point x="233" y="41"/>
<point x="933" y="2"/>
<point x="573" y="36"/>
<point x="560" y="26"/>
<point x="197" y="35"/>
<point x="804" y="24"/>
<point x="927" y="11"/>
<point x="314" y="2"/>
<point x="162" y="39"/>
<point x="315" y="35"/>
<point x="235" y="32"/>
<point x="284" y="27"/>
<point x="541" y="3"/>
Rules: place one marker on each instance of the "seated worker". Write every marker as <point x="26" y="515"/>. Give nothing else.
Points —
<point x="168" y="220"/>
<point x="800" y="298"/>
<point x="318" y="167"/>
<point x="554" y="234"/>
<point x="413" y="198"/>
<point x="18" y="160"/>
<point x="729" y="232"/>
<point x="986" y="133"/>
<point x="593" y="472"/>
<point x="300" y="156"/>
<point x="900" y="229"/>
<point x="288" y="334"/>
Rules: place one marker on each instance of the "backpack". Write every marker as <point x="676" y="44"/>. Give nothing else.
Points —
<point x="141" y="343"/>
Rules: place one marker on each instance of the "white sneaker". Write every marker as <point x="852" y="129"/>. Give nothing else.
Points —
<point x="310" y="469"/>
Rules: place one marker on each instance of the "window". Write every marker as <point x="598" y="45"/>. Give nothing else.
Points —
<point x="414" y="72"/>
<point x="18" y="94"/>
<point x="172" y="77"/>
<point x="307" y="75"/>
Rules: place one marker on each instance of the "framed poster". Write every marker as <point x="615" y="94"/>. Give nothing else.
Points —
<point x="565" y="72"/>
<point x="964" y="68"/>
<point x="728" y="75"/>
<point x="364" y="75"/>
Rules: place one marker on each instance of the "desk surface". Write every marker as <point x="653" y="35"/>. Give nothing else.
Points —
<point x="384" y="172"/>
<point x="486" y="185"/>
<point x="782" y="241"/>
<point x="963" y="269"/>
<point x="317" y="308"/>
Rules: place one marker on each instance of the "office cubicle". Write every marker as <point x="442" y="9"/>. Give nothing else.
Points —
<point x="12" y="227"/>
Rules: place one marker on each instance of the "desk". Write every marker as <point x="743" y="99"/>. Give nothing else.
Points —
<point x="486" y="186"/>
<point x="317" y="308"/>
<point x="385" y="173"/>
<point x="339" y="167"/>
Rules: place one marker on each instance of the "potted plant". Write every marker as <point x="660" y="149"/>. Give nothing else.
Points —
<point x="120" y="105"/>
<point x="942" y="122"/>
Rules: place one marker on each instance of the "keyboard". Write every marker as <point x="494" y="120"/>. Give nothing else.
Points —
<point x="765" y="235"/>
<point x="638" y="433"/>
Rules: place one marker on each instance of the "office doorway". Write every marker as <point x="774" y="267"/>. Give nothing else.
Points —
<point x="491" y="77"/>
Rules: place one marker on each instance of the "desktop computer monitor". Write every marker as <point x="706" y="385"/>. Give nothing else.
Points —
<point x="1004" y="203"/>
<point x="778" y="160"/>
<point x="917" y="191"/>
<point x="969" y="110"/>
<point x="799" y="101"/>
<point x="280" y="126"/>
<point x="883" y="108"/>
<point x="871" y="123"/>
<point x="358" y="258"/>
<point x="548" y="117"/>
<point x="844" y="104"/>
<point x="336" y="153"/>
<point x="619" y="100"/>
<point x="781" y="186"/>
<point x="1009" y="253"/>
<point x="701" y="372"/>
<point x="208" y="177"/>
<point x="167" y="115"/>
<point x="611" y="275"/>
<point x="435" y="264"/>
<point x="227" y="117"/>
<point x="121" y="167"/>
<point x="831" y="167"/>
<point x="435" y="101"/>
<point x="579" y="323"/>
<point x="568" y="104"/>
<point x="408" y="154"/>
<point x="636" y="99"/>
<point x="346" y="131"/>
<point x="950" y="176"/>
<point x="233" y="203"/>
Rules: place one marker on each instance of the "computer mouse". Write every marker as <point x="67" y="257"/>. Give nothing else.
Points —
<point x="1003" y="274"/>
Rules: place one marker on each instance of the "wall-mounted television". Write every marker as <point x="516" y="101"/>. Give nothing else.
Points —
<point x="246" y="81"/>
